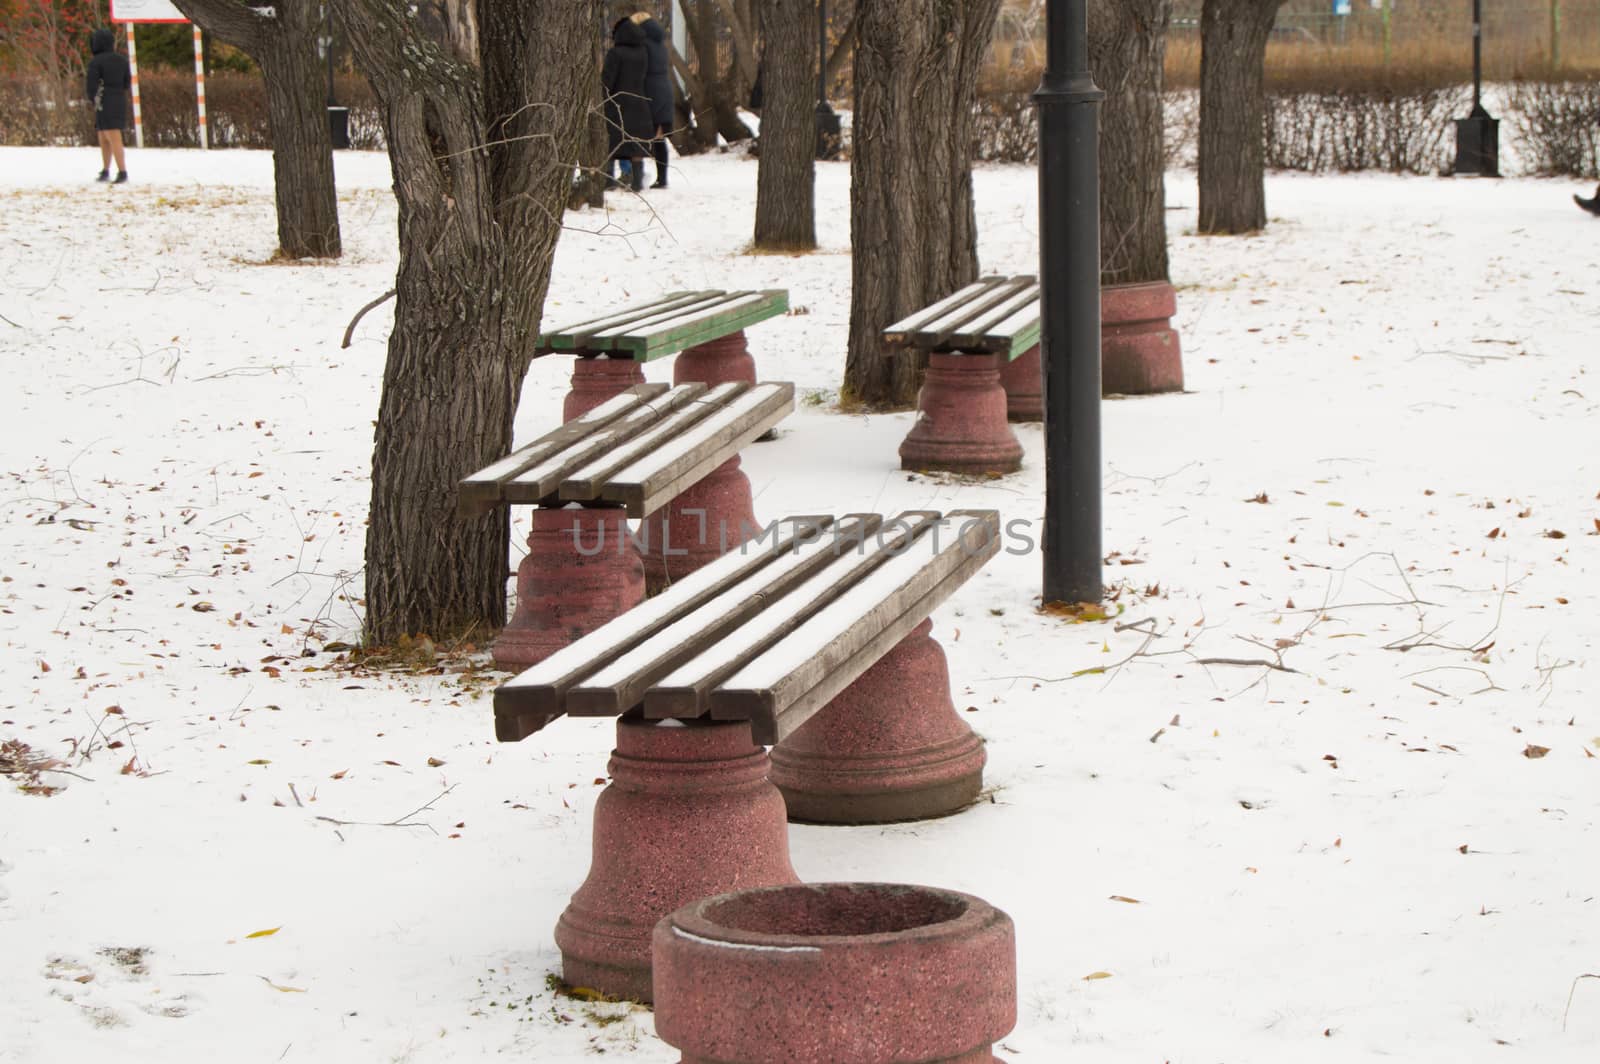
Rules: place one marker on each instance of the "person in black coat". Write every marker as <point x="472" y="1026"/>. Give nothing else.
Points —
<point x="658" y="86"/>
<point x="627" y="104"/>
<point x="107" y="83"/>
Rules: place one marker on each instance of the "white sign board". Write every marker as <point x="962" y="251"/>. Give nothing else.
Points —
<point x="145" y="11"/>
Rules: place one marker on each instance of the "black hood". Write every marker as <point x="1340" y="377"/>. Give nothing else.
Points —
<point x="653" y="31"/>
<point x="101" y="41"/>
<point x="627" y="35"/>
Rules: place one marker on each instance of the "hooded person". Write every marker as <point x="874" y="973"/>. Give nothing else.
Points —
<point x="627" y="105"/>
<point x="107" y="82"/>
<point x="658" y="86"/>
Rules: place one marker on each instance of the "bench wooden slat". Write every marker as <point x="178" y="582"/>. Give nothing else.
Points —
<point x="538" y="695"/>
<point x="899" y="334"/>
<point x="652" y="481"/>
<point x="987" y="332"/>
<point x="481" y="492"/>
<point x="564" y="337"/>
<point x="936" y="333"/>
<point x="605" y="339"/>
<point x="584" y="482"/>
<point x="687" y="330"/>
<point x="621" y="684"/>
<point x="685" y="692"/>
<point x="1022" y="328"/>
<point x="542" y="480"/>
<point x="774" y="690"/>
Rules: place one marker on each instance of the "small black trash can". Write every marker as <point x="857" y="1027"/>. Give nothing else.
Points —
<point x="339" y="126"/>
<point x="1478" y="144"/>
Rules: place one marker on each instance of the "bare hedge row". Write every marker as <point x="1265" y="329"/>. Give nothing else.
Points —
<point x="1549" y="127"/>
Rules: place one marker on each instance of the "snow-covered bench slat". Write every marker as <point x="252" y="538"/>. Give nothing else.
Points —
<point x="583" y="481"/>
<point x="538" y="695"/>
<point x="481" y="492"/>
<point x="666" y="326"/>
<point x="997" y="315"/>
<point x="768" y="633"/>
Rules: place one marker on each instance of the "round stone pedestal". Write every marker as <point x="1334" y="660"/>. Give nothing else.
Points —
<point x="1023" y="380"/>
<point x="689" y="813"/>
<point x="594" y="380"/>
<point x="698" y="526"/>
<point x="1139" y="350"/>
<point x="719" y="361"/>
<point x="581" y="570"/>
<point x="961" y="420"/>
<point x="836" y="973"/>
<point x="888" y="747"/>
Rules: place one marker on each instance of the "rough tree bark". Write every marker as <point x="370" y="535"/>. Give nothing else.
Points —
<point x="785" y="182"/>
<point x="283" y="41"/>
<point x="911" y="218"/>
<point x="1127" y="47"/>
<point x="484" y="106"/>
<point x="1233" y="55"/>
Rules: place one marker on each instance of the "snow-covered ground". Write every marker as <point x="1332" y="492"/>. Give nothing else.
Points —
<point x="1383" y="476"/>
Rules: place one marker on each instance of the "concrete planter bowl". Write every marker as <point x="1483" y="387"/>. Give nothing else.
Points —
<point x="836" y="973"/>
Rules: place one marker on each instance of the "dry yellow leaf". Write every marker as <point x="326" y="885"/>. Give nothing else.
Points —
<point x="264" y="934"/>
<point x="1097" y="975"/>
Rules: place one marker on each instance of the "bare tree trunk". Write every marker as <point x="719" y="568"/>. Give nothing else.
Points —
<point x="1127" y="46"/>
<point x="911" y="217"/>
<point x="1233" y="52"/>
<point x="717" y="103"/>
<point x="284" y="43"/>
<point x="483" y="124"/>
<point x="785" y="183"/>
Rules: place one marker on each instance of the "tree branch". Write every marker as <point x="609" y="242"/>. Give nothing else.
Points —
<point x="230" y="21"/>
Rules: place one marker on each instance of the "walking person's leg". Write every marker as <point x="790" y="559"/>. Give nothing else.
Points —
<point x="658" y="148"/>
<point x="114" y="136"/>
<point x="104" y="137"/>
<point x="636" y="181"/>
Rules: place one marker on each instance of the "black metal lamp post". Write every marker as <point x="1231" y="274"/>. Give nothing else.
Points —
<point x="1477" y="135"/>
<point x="1069" y="281"/>
<point x="338" y="117"/>
<point x="828" y="127"/>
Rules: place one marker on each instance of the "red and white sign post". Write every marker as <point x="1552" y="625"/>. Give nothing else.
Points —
<point x="134" y="12"/>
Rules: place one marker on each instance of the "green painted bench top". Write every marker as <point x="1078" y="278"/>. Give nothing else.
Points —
<point x="992" y="316"/>
<point x="637" y="450"/>
<point x="664" y="326"/>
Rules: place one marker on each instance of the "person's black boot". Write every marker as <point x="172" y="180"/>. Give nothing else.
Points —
<point x="659" y="150"/>
<point x="122" y="178"/>
<point x="636" y="179"/>
<point x="611" y="175"/>
<point x="1590" y="205"/>
<point x="104" y="175"/>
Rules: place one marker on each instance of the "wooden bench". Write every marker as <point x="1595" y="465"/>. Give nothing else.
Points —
<point x="707" y="327"/>
<point x="653" y="453"/>
<point x="814" y="637"/>
<point x="983" y="370"/>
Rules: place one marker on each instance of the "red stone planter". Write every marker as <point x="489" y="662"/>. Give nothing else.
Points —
<point x="719" y="361"/>
<point x="836" y="973"/>
<point x="888" y="747"/>
<point x="581" y="570"/>
<point x="1023" y="380"/>
<point x="689" y="813"/>
<point x="961" y="419"/>
<point x="1139" y="350"/>
<point x="698" y="526"/>
<point x="594" y="380"/>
